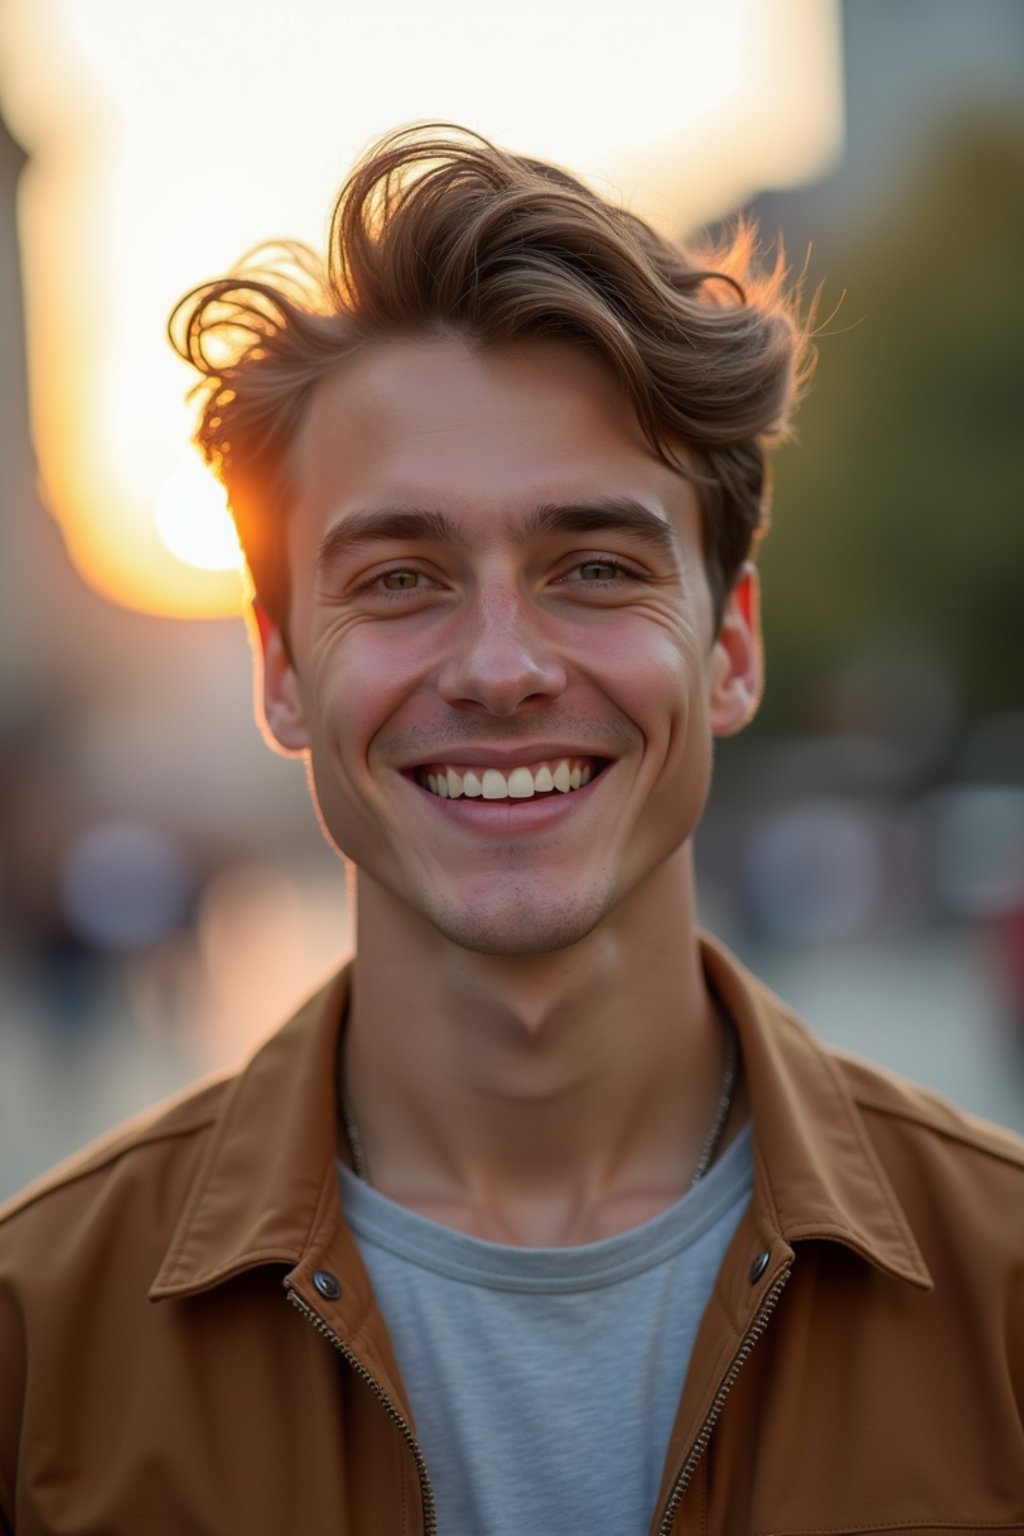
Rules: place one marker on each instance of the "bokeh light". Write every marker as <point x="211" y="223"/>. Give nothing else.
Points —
<point x="124" y="885"/>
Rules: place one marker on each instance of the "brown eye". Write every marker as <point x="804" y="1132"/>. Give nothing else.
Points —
<point x="399" y="581"/>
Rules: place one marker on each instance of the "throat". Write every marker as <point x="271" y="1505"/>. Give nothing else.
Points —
<point x="554" y="1169"/>
<point x="578" y="1082"/>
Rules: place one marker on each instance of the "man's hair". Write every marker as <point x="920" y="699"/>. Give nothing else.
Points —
<point x="439" y="233"/>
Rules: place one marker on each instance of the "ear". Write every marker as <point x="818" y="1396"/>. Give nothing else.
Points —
<point x="736" y="674"/>
<point x="282" y="697"/>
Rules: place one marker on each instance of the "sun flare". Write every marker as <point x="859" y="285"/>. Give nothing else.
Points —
<point x="192" y="518"/>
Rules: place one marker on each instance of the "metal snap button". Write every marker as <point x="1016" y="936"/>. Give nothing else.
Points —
<point x="328" y="1285"/>
<point x="759" y="1266"/>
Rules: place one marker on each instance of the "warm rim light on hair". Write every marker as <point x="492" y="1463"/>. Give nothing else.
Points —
<point x="439" y="232"/>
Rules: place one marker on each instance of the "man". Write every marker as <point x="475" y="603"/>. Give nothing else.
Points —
<point x="581" y="1230"/>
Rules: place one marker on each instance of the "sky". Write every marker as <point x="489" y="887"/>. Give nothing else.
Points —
<point x="165" y="140"/>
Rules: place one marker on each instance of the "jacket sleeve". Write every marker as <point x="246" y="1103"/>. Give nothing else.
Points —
<point x="12" y="1393"/>
<point x="1015" y="1334"/>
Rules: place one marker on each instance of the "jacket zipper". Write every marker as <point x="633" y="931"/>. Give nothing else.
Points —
<point x="740" y="1359"/>
<point x="429" y="1509"/>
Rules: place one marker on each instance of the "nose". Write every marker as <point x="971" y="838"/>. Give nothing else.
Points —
<point x="499" y="657"/>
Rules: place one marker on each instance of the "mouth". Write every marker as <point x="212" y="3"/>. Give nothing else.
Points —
<point x="548" y="778"/>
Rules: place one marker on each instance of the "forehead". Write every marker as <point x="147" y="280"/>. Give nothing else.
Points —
<point x="436" y="424"/>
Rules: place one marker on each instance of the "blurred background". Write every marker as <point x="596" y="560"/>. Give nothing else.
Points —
<point x="164" y="892"/>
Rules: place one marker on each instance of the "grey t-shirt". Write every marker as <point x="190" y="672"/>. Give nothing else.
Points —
<point x="544" y="1381"/>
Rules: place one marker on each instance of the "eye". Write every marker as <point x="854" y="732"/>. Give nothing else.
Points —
<point x="407" y="587"/>
<point x="599" y="570"/>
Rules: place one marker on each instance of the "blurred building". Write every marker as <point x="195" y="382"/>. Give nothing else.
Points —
<point x="914" y="73"/>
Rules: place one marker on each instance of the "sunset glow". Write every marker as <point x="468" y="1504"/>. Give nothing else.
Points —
<point x="166" y="140"/>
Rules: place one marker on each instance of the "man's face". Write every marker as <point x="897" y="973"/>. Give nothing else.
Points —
<point x="498" y="593"/>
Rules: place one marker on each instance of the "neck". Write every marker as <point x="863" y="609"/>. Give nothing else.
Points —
<point x="551" y="1098"/>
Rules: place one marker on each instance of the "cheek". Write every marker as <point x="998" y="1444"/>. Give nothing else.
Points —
<point x="358" y="679"/>
<point x="654" y="672"/>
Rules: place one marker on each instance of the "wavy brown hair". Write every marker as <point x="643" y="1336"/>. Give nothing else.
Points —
<point x="439" y="232"/>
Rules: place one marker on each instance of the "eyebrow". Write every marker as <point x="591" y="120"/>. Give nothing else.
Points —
<point x="390" y="524"/>
<point x="611" y="515"/>
<point x="425" y="525"/>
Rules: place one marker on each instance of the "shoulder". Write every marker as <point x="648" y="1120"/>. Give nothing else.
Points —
<point x="153" y="1153"/>
<point x="855" y="1150"/>
<point x="920" y="1115"/>
<point x="811" y="1091"/>
<point x="80" y="1246"/>
<point x="959" y="1179"/>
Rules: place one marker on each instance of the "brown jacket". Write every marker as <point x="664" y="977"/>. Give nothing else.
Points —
<point x="860" y="1366"/>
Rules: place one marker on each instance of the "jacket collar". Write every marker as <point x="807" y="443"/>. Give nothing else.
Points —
<point x="266" y="1189"/>
<point x="259" y="1194"/>
<point x="818" y="1174"/>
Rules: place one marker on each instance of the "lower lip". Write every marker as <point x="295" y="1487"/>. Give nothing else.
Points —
<point x="516" y="816"/>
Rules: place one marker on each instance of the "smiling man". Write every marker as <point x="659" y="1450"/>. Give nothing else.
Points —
<point x="582" y="1231"/>
<point x="501" y="657"/>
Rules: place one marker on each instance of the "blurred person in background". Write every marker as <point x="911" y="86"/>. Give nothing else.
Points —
<point x="580" y="1228"/>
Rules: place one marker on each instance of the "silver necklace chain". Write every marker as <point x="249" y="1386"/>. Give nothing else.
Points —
<point x="708" y="1151"/>
<point x="713" y="1140"/>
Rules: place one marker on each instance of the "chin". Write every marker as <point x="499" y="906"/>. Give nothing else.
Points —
<point x="517" y="927"/>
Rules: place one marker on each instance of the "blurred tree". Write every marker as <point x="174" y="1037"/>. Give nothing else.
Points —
<point x="900" y="513"/>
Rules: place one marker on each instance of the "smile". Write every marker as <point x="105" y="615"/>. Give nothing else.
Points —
<point x="521" y="782"/>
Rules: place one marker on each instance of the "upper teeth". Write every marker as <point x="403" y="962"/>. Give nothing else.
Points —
<point x="517" y="784"/>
